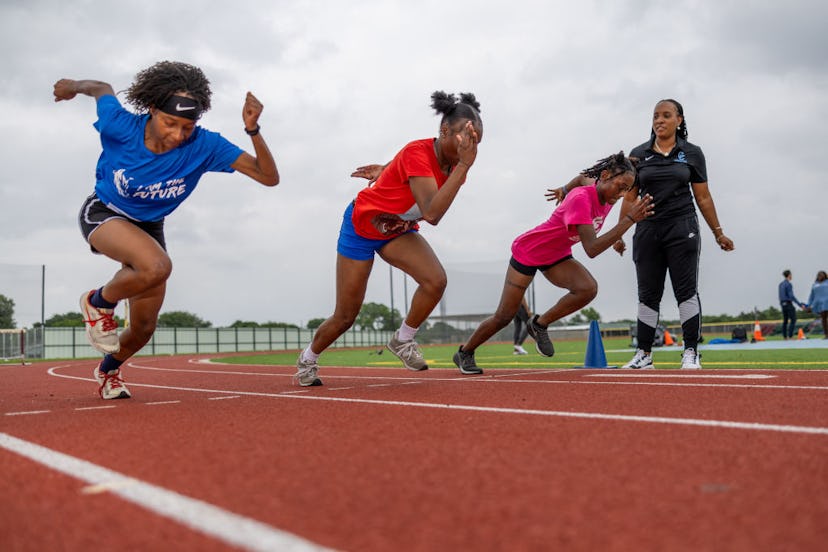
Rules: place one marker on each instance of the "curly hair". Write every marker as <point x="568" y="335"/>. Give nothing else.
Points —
<point x="617" y="164"/>
<point x="154" y="85"/>
<point x="453" y="108"/>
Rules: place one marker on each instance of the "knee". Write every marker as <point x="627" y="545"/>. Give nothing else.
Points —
<point x="587" y="290"/>
<point x="142" y="328"/>
<point x="435" y="284"/>
<point x="342" y="321"/>
<point x="501" y="319"/>
<point x="156" y="272"/>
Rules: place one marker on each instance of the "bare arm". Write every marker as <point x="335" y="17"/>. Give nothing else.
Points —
<point x="629" y="199"/>
<point x="636" y="212"/>
<point x="261" y="168"/>
<point x="66" y="89"/>
<point x="434" y="202"/>
<point x="558" y="194"/>
<point x="704" y="200"/>
<point x="369" y="172"/>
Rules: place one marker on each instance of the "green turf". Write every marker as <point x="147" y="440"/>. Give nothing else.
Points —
<point x="567" y="355"/>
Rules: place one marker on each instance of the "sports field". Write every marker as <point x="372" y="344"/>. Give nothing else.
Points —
<point x="228" y="454"/>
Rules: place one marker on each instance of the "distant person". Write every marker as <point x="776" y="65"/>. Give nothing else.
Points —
<point x="673" y="171"/>
<point x="420" y="183"/>
<point x="151" y="162"/>
<point x="521" y="322"/>
<point x="787" y="300"/>
<point x="548" y="248"/>
<point x="818" y="300"/>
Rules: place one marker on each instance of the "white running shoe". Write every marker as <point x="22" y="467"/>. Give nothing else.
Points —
<point x="306" y="373"/>
<point x="690" y="360"/>
<point x="101" y="327"/>
<point x="111" y="385"/>
<point x="520" y="350"/>
<point x="408" y="352"/>
<point x="641" y="361"/>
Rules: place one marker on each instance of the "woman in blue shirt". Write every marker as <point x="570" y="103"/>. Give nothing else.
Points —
<point x="150" y="162"/>
<point x="818" y="300"/>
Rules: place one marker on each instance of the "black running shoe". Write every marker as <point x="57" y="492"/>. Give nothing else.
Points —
<point x="465" y="361"/>
<point x="542" y="342"/>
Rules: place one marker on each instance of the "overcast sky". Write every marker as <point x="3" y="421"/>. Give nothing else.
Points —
<point x="561" y="84"/>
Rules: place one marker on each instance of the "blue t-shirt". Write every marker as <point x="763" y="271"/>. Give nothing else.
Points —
<point x="147" y="186"/>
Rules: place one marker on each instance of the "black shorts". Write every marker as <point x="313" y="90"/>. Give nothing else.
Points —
<point x="530" y="270"/>
<point x="93" y="213"/>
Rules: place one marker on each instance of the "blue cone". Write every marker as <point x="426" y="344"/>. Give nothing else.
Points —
<point x="595" y="357"/>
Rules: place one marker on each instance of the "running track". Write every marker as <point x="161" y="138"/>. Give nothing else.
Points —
<point x="224" y="457"/>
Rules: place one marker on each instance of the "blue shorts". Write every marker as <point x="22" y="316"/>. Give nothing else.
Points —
<point x="354" y="246"/>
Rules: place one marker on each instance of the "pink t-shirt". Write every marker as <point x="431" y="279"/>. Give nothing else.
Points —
<point x="552" y="240"/>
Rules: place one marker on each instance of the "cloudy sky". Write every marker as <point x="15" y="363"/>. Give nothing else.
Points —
<point x="561" y="84"/>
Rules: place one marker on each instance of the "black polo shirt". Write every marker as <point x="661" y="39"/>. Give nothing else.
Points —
<point x="668" y="178"/>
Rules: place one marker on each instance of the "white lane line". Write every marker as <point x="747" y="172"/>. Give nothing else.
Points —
<point x="96" y="407"/>
<point x="492" y="377"/>
<point x="497" y="410"/>
<point x="201" y="516"/>
<point x="27" y="413"/>
<point x="679" y="376"/>
<point x="224" y="398"/>
<point x="156" y="403"/>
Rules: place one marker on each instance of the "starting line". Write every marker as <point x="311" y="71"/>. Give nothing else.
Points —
<point x="692" y="376"/>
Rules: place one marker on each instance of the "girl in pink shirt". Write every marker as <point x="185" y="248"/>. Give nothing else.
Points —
<point x="548" y="248"/>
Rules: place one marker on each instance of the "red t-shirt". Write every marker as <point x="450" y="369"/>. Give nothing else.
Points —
<point x="387" y="209"/>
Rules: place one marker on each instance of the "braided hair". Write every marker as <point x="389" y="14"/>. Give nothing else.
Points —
<point x="453" y="108"/>
<point x="617" y="164"/>
<point x="681" y="131"/>
<point x="154" y="85"/>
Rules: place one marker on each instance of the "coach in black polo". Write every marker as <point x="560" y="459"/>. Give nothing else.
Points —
<point x="674" y="173"/>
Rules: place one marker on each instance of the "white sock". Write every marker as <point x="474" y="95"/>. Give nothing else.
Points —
<point x="406" y="332"/>
<point x="309" y="356"/>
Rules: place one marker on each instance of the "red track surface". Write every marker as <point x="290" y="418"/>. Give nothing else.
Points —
<point x="384" y="459"/>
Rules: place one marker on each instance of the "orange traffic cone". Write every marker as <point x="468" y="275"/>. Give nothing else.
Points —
<point x="757" y="332"/>
<point x="668" y="339"/>
<point x="800" y="334"/>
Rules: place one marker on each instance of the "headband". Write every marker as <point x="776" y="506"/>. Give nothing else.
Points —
<point x="182" y="106"/>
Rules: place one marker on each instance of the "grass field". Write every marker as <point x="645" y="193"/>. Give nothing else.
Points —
<point x="568" y="354"/>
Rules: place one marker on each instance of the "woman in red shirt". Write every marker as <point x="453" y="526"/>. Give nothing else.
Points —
<point x="420" y="183"/>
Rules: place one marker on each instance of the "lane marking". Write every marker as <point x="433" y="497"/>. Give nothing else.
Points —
<point x="496" y="378"/>
<point x="206" y="518"/>
<point x="161" y="402"/>
<point x="96" y="407"/>
<point x="27" y="413"/>
<point x="223" y="398"/>
<point x="498" y="410"/>
<point x="687" y="376"/>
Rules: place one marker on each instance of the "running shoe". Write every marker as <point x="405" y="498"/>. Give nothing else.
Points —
<point x="111" y="384"/>
<point x="306" y="373"/>
<point x="465" y="361"/>
<point x="408" y="352"/>
<point x="690" y="360"/>
<point x="101" y="327"/>
<point x="520" y="350"/>
<point x="641" y="361"/>
<point x="542" y="342"/>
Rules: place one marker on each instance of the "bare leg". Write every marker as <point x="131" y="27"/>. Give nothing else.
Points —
<point x="143" y="318"/>
<point x="570" y="275"/>
<point x="513" y="290"/>
<point x="412" y="254"/>
<point x="351" y="282"/>
<point x="145" y="264"/>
